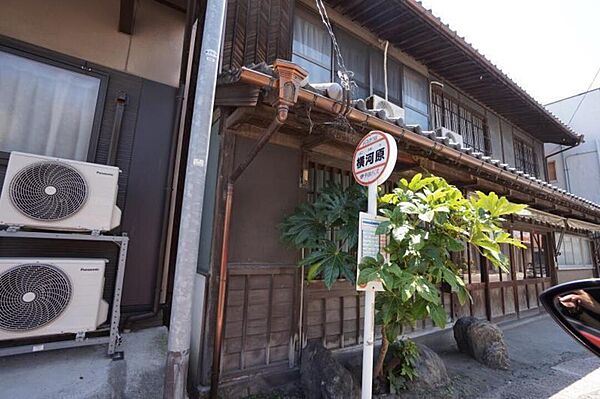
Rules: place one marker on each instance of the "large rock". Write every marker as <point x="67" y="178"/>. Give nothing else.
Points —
<point x="431" y="371"/>
<point x="483" y="341"/>
<point x="324" y="377"/>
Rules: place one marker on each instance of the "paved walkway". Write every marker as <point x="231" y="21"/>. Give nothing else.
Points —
<point x="87" y="373"/>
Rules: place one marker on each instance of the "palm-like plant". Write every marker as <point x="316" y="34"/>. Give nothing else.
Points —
<point x="327" y="229"/>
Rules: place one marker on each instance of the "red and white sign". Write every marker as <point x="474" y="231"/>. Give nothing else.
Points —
<point x="374" y="158"/>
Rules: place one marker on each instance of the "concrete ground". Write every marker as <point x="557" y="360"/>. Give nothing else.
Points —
<point x="545" y="363"/>
<point x="87" y="373"/>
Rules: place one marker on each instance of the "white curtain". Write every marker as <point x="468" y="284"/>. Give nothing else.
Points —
<point x="312" y="49"/>
<point x="44" y="109"/>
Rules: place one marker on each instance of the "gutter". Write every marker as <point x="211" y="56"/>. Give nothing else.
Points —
<point x="256" y="78"/>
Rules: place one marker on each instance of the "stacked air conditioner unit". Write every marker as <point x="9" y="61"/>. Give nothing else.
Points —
<point x="58" y="194"/>
<point x="452" y="136"/>
<point x="43" y="296"/>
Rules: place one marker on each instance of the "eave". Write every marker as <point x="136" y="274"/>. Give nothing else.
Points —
<point x="417" y="32"/>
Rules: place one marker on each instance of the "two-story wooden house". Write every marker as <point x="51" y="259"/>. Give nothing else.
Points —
<point x="395" y="49"/>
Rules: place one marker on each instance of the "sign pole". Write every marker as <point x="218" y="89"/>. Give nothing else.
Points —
<point x="373" y="162"/>
<point x="369" y="326"/>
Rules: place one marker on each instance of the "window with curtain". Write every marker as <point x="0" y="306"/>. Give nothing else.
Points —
<point x="312" y="48"/>
<point x="45" y="109"/>
<point x="415" y="98"/>
<point x="448" y="112"/>
<point x="525" y="157"/>
<point x="356" y="57"/>
<point x="394" y="80"/>
<point x="575" y="253"/>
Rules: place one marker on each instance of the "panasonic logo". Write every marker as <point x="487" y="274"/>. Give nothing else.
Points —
<point x="103" y="173"/>
<point x="89" y="269"/>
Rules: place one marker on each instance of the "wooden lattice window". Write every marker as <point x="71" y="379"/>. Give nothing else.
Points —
<point x="448" y="112"/>
<point x="525" y="157"/>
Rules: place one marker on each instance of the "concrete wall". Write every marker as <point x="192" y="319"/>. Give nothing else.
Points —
<point x="89" y="30"/>
<point x="578" y="169"/>
<point x="576" y="274"/>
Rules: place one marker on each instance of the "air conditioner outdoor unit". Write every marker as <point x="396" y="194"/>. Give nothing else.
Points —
<point x="453" y="136"/>
<point x="392" y="110"/>
<point x="59" y="194"/>
<point x="44" y="296"/>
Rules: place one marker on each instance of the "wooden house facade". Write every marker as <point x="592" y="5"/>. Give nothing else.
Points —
<point x="440" y="81"/>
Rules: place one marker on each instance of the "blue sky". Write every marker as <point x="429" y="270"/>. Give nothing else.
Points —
<point x="551" y="48"/>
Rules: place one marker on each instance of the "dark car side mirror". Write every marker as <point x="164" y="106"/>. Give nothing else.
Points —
<point x="575" y="306"/>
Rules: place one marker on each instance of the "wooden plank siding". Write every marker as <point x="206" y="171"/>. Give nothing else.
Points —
<point x="257" y="31"/>
<point x="259" y="322"/>
<point x="272" y="312"/>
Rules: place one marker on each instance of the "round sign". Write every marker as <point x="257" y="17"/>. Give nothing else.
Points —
<point x="374" y="158"/>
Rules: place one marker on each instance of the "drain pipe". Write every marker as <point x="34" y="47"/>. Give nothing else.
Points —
<point x="290" y="77"/>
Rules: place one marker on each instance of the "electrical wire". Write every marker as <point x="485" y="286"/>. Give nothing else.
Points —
<point x="583" y="97"/>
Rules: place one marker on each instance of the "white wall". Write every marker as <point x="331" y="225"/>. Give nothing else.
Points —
<point x="583" y="161"/>
<point x="88" y="29"/>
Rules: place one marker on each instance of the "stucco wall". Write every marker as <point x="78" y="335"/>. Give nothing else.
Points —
<point x="583" y="161"/>
<point x="89" y="30"/>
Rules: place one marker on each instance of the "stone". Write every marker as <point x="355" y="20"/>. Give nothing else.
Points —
<point x="460" y="333"/>
<point x="323" y="377"/>
<point x="431" y="371"/>
<point x="483" y="341"/>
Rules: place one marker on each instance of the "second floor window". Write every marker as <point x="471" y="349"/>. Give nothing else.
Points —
<point x="448" y="112"/>
<point x="415" y="98"/>
<point x="313" y="50"/>
<point x="525" y="157"/>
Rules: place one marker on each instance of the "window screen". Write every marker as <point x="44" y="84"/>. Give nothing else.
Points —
<point x="45" y="109"/>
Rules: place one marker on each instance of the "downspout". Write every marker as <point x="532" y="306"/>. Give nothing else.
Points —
<point x="288" y="86"/>
<point x="172" y="176"/>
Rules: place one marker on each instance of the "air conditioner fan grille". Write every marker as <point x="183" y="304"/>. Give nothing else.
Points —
<point x="32" y="295"/>
<point x="48" y="191"/>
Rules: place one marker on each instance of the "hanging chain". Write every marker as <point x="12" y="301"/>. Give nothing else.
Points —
<point x="346" y="76"/>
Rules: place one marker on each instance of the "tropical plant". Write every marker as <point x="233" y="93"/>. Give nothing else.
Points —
<point x="430" y="219"/>
<point x="327" y="229"/>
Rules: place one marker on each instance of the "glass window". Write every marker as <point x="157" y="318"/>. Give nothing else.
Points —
<point x="448" y="112"/>
<point x="552" y="171"/>
<point x="356" y="58"/>
<point x="525" y="157"/>
<point x="45" y="109"/>
<point x="393" y="72"/>
<point x="312" y="48"/>
<point x="415" y="96"/>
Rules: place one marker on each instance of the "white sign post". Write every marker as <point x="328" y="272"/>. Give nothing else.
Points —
<point x="373" y="162"/>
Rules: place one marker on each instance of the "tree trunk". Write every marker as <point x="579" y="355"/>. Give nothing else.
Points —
<point x="378" y="371"/>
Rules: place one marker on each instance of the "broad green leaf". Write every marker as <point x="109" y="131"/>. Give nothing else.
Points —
<point x="438" y="315"/>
